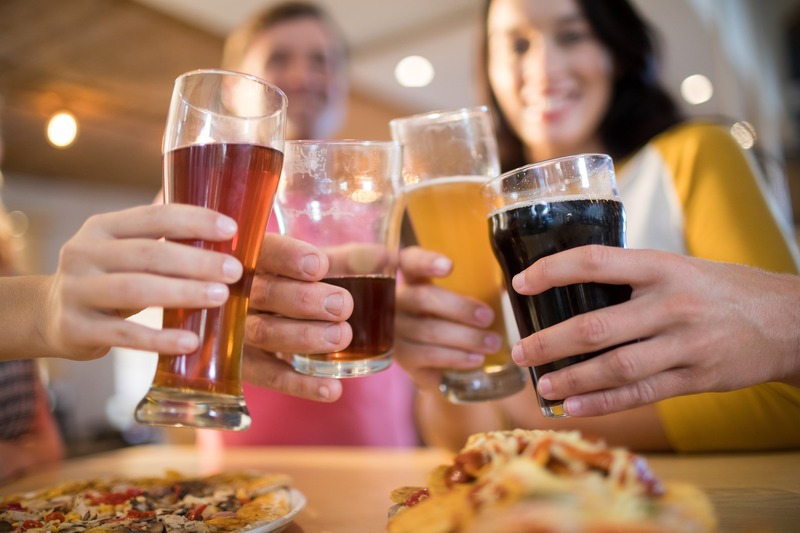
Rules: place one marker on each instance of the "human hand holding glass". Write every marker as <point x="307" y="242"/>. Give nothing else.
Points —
<point x="447" y="157"/>
<point x="344" y="198"/>
<point x="222" y="150"/>
<point x="544" y="208"/>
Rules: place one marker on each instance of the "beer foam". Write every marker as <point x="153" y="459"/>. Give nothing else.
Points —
<point x="446" y="180"/>
<point x="530" y="202"/>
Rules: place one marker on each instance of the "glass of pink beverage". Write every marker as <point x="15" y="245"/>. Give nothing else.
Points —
<point x="345" y="198"/>
<point x="223" y="149"/>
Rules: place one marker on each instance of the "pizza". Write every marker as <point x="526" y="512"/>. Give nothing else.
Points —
<point x="224" y="502"/>
<point x="539" y="481"/>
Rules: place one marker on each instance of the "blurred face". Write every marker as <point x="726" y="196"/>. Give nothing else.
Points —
<point x="304" y="59"/>
<point x="551" y="76"/>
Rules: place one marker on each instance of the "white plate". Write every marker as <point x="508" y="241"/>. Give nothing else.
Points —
<point x="298" y="501"/>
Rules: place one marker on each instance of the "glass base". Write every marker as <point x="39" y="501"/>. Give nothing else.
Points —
<point x="179" y="408"/>
<point x="553" y="409"/>
<point x="482" y="384"/>
<point x="340" y="369"/>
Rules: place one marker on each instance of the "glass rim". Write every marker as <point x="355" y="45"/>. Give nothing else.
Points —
<point x="438" y="113"/>
<point x="236" y="73"/>
<point x="547" y="162"/>
<point x="342" y="142"/>
<point x="284" y="100"/>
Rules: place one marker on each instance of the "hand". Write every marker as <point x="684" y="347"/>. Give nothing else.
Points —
<point x="700" y="326"/>
<point x="117" y="264"/>
<point x="437" y="329"/>
<point x="291" y="311"/>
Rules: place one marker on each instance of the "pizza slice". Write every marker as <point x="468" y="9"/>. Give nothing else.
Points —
<point x="547" y="481"/>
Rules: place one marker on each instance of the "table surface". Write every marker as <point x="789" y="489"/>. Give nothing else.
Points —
<point x="348" y="488"/>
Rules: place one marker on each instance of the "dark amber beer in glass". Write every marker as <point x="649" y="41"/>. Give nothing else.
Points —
<point x="223" y="150"/>
<point x="237" y="180"/>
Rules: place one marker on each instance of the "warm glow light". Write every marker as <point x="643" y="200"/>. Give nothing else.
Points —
<point x="62" y="129"/>
<point x="744" y="133"/>
<point x="697" y="89"/>
<point x="414" y="71"/>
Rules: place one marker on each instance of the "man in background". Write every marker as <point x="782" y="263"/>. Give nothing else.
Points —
<point x="299" y="48"/>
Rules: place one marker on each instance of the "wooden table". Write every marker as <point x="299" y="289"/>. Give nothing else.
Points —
<point x="348" y="488"/>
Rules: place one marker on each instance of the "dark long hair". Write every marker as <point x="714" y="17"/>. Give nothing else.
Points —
<point x="640" y="107"/>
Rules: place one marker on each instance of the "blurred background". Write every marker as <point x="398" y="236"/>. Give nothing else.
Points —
<point x="110" y="65"/>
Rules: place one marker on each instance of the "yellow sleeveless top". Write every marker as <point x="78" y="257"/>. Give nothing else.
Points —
<point x="693" y="190"/>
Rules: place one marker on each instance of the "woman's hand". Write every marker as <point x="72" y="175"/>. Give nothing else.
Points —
<point x="437" y="329"/>
<point x="118" y="264"/>
<point x="700" y="326"/>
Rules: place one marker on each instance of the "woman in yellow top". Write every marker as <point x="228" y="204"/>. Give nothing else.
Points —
<point x="572" y="76"/>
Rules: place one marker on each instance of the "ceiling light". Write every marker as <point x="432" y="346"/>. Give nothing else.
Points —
<point x="62" y="129"/>
<point x="697" y="89"/>
<point x="414" y="71"/>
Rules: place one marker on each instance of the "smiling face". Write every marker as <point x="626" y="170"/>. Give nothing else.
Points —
<point x="304" y="59"/>
<point x="551" y="76"/>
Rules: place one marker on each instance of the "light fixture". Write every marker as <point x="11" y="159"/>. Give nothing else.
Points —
<point x="414" y="71"/>
<point x="697" y="89"/>
<point x="62" y="129"/>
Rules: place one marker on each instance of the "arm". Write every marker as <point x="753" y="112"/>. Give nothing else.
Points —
<point x="701" y="325"/>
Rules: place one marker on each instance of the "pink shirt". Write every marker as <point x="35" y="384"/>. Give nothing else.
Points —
<point x="375" y="410"/>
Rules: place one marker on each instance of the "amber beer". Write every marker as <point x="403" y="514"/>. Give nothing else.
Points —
<point x="239" y="181"/>
<point x="449" y="216"/>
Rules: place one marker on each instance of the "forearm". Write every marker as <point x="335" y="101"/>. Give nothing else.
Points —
<point x="22" y="317"/>
<point x="446" y="425"/>
<point x="781" y="310"/>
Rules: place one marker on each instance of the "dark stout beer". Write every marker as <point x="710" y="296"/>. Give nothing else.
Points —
<point x="522" y="234"/>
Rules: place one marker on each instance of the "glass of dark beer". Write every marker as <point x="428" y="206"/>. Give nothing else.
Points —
<point x="223" y="149"/>
<point x="345" y="198"/>
<point x="545" y="208"/>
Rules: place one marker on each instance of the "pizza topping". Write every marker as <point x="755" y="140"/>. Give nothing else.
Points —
<point x="416" y="497"/>
<point x="558" y="478"/>
<point x="220" y="503"/>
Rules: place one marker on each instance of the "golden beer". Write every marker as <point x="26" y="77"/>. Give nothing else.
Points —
<point x="449" y="217"/>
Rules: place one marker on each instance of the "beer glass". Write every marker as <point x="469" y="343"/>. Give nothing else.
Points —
<point x="345" y="198"/>
<point x="544" y="208"/>
<point x="223" y="149"/>
<point x="447" y="157"/>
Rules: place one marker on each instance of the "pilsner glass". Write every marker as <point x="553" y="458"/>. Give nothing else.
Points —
<point x="542" y="209"/>
<point x="345" y="198"/>
<point x="223" y="149"/>
<point x="447" y="157"/>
